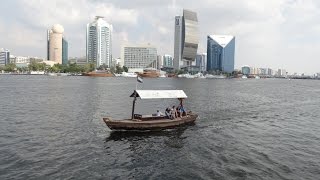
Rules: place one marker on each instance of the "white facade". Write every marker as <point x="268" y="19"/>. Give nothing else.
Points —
<point x="99" y="42"/>
<point x="139" y="57"/>
<point x="116" y="62"/>
<point x="21" y="60"/>
<point x="160" y="61"/>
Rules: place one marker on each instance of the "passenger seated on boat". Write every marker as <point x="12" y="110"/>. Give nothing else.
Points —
<point x="179" y="114"/>
<point x="159" y="113"/>
<point x="168" y="113"/>
<point x="174" y="112"/>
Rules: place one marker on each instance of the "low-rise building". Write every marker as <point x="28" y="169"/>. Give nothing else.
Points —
<point x="245" y="70"/>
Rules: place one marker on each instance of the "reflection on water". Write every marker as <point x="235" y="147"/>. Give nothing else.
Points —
<point x="174" y="135"/>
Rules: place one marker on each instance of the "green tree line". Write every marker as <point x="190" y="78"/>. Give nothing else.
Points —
<point x="60" y="68"/>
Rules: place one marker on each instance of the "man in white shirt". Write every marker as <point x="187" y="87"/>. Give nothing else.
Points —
<point x="159" y="113"/>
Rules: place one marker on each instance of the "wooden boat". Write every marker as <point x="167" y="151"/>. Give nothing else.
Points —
<point x="98" y="74"/>
<point x="150" y="73"/>
<point x="152" y="122"/>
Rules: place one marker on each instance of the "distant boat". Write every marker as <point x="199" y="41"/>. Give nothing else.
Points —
<point x="37" y="72"/>
<point x="129" y="74"/>
<point x="186" y="76"/>
<point x="153" y="122"/>
<point x="189" y="76"/>
<point x="200" y="76"/>
<point x="149" y="73"/>
<point x="210" y="76"/>
<point x="98" y="74"/>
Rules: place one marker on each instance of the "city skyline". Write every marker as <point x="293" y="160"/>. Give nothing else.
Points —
<point x="269" y="34"/>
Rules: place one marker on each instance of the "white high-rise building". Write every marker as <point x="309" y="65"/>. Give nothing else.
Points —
<point x="99" y="42"/>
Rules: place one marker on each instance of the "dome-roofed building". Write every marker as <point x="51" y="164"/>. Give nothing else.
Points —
<point x="57" y="50"/>
<point x="57" y="28"/>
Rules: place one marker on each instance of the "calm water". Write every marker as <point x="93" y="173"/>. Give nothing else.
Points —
<point x="52" y="128"/>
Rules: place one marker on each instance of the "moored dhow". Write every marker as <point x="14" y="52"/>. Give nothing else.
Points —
<point x="98" y="74"/>
<point x="153" y="122"/>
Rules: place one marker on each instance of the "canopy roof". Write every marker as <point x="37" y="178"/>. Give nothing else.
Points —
<point x="159" y="94"/>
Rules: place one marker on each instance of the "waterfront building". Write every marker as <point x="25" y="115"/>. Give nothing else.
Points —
<point x="20" y="60"/>
<point x="160" y="62"/>
<point x="57" y="46"/>
<point x="186" y="39"/>
<point x="4" y="57"/>
<point x="116" y="62"/>
<point x="154" y="64"/>
<point x="245" y="70"/>
<point x="281" y="73"/>
<point x="256" y="71"/>
<point x="220" y="53"/>
<point x="201" y="62"/>
<point x="167" y="60"/>
<point x="23" y="61"/>
<point x="99" y="42"/>
<point x="81" y="60"/>
<point x="138" y="56"/>
<point x="270" y="72"/>
<point x="263" y="71"/>
<point x="64" y="51"/>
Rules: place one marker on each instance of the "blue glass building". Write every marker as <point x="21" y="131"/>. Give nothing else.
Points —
<point x="64" y="51"/>
<point x="220" y="53"/>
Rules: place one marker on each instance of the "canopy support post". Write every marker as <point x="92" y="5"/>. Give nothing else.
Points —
<point x="133" y="104"/>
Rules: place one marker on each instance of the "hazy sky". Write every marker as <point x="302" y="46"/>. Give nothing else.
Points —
<point x="269" y="33"/>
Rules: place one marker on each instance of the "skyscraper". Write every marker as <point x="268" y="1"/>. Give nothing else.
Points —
<point x="57" y="46"/>
<point x="186" y="39"/>
<point x="99" y="42"/>
<point x="64" y="51"/>
<point x="4" y="57"/>
<point x="220" y="53"/>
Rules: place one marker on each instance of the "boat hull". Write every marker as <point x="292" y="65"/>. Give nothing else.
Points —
<point x="159" y="124"/>
<point x="93" y="74"/>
